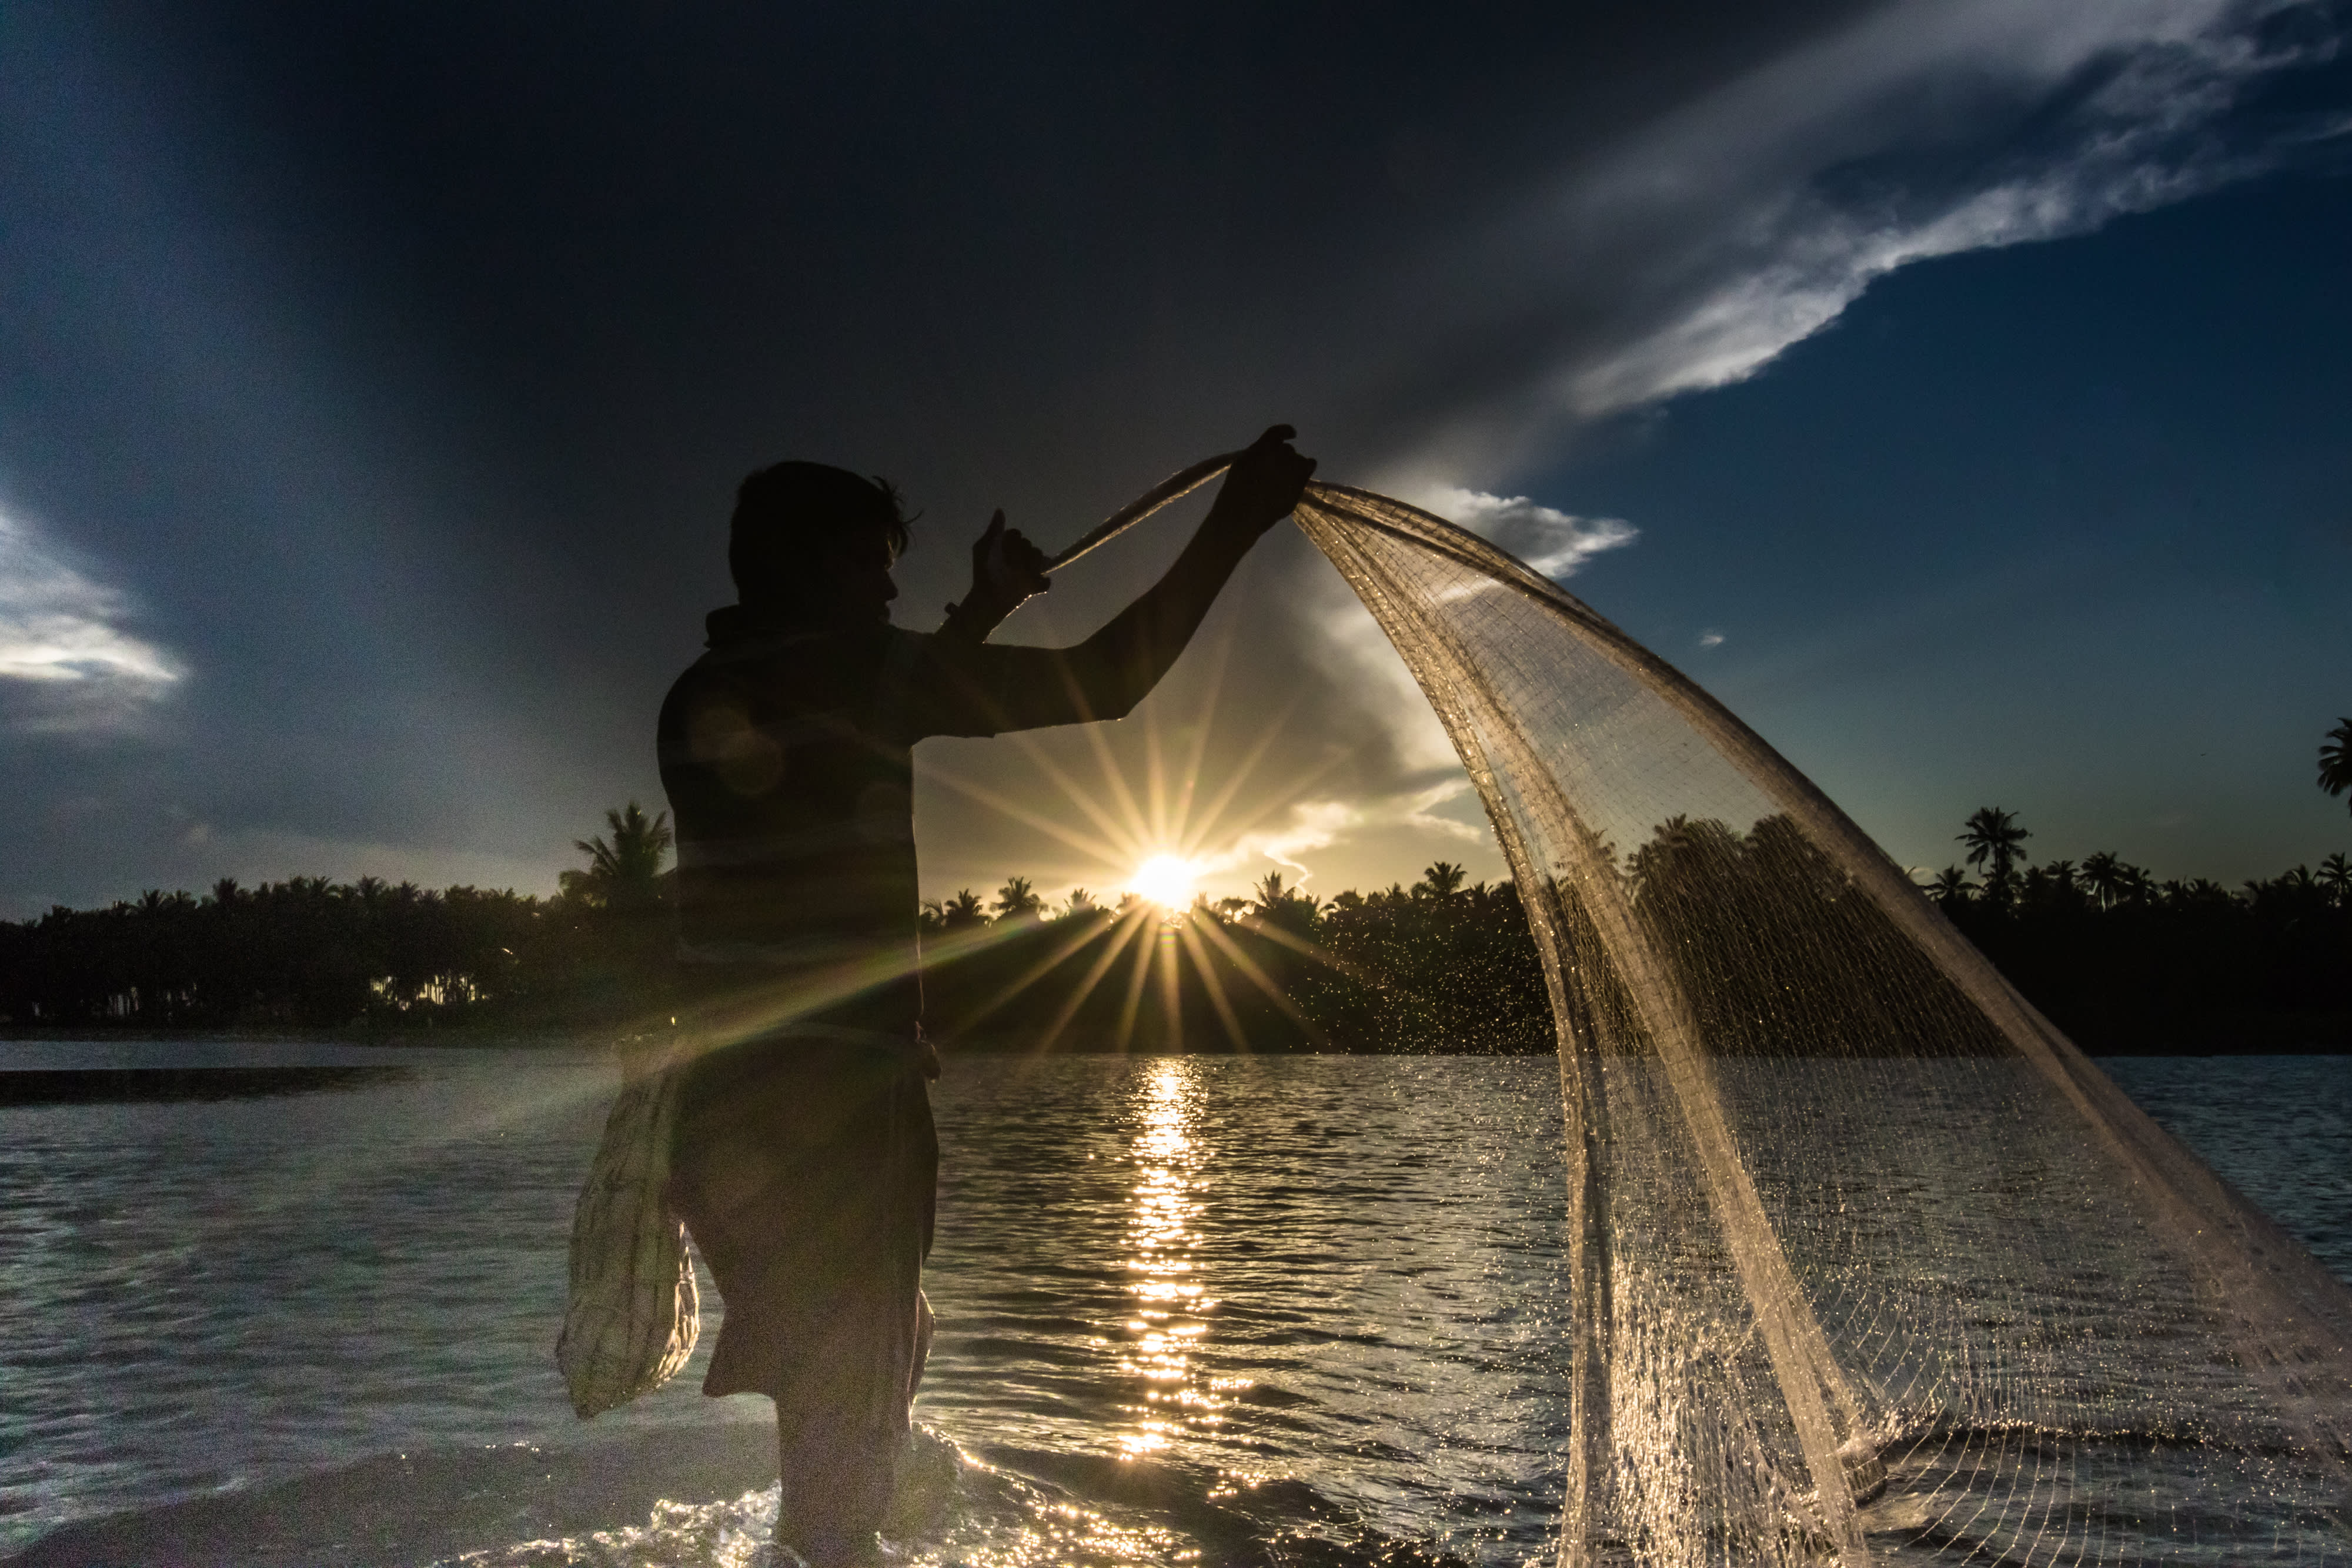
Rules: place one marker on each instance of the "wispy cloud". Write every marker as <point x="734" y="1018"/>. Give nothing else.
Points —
<point x="1693" y="252"/>
<point x="1314" y="825"/>
<point x="1555" y="543"/>
<point x="68" y="663"/>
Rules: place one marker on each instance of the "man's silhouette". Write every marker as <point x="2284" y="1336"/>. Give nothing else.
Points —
<point x="805" y="1163"/>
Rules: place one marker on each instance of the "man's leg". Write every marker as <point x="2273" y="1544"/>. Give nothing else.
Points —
<point x="834" y="1471"/>
<point x="841" y="1431"/>
<point x="807" y="1184"/>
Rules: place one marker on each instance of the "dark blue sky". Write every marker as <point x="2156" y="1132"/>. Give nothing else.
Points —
<point x="373" y="379"/>
<point x="2065" y="528"/>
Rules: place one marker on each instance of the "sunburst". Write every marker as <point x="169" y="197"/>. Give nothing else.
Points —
<point x="1168" y="881"/>
<point x="1171" y="833"/>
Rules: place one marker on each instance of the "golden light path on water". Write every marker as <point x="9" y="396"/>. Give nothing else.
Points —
<point x="1164" y="1335"/>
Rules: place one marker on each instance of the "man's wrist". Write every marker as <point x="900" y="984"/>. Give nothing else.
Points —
<point x="975" y="617"/>
<point x="1234" y="528"/>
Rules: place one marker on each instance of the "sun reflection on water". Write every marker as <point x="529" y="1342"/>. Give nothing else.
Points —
<point x="1170" y="1309"/>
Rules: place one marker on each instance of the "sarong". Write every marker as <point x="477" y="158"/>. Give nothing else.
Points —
<point x="806" y="1171"/>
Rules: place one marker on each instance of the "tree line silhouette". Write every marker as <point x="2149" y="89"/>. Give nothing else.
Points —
<point x="2121" y="960"/>
<point x="1772" y="948"/>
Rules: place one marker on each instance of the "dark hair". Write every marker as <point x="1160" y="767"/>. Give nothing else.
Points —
<point x="786" y="513"/>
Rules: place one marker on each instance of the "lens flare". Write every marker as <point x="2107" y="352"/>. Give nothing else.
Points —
<point x="1168" y="881"/>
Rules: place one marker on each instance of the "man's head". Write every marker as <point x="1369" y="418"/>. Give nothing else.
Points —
<point x="816" y="541"/>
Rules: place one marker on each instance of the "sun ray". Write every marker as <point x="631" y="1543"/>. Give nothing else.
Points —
<point x="1256" y="974"/>
<point x="1129" y="927"/>
<point x="1321" y="955"/>
<point x="1115" y="778"/>
<point x="1238" y="774"/>
<point x="1034" y="973"/>
<point x="1105" y="849"/>
<point x="1133" y="1001"/>
<point x="1172" y="996"/>
<point x="1155" y="776"/>
<point x="1209" y="983"/>
<point x="1273" y="802"/>
<point x="1168" y="881"/>
<point x="1128" y="834"/>
<point x="1188" y="780"/>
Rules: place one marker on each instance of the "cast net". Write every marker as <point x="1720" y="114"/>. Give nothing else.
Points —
<point x="1868" y="1262"/>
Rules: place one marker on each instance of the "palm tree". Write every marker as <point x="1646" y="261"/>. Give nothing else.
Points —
<point x="1017" y="900"/>
<point x="1993" y="834"/>
<point x="2336" y="876"/>
<point x="1287" y="907"/>
<point x="2106" y="877"/>
<point x="2336" y="759"/>
<point x="1080" y="902"/>
<point x="1269" y="895"/>
<point x="1443" y="880"/>
<point x="964" y="912"/>
<point x="623" y="874"/>
<point x="1949" y="887"/>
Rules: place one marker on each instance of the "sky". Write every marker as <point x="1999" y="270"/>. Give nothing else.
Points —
<point x="1956" y="388"/>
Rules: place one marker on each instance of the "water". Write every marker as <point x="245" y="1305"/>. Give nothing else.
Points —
<point x="1193" y="1309"/>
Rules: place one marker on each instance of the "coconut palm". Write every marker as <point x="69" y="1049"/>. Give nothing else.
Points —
<point x="2336" y="759"/>
<point x="1017" y="900"/>
<point x="1290" y="908"/>
<point x="623" y="873"/>
<point x="1950" y="886"/>
<point x="1993" y="835"/>
<point x="1442" y="880"/>
<point x="2336" y="876"/>
<point x="964" y="912"/>
<point x="2106" y="877"/>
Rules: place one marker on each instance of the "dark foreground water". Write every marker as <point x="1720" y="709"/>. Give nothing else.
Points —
<point x="1195" y="1310"/>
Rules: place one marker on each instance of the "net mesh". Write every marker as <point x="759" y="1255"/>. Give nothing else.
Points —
<point x="1868" y="1262"/>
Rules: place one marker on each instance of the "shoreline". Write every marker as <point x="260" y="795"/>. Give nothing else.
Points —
<point x="2325" y="1036"/>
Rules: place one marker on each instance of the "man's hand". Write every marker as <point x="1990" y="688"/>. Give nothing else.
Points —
<point x="1006" y="569"/>
<point x="1263" y="484"/>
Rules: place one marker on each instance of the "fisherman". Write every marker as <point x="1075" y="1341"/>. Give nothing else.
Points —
<point x="804" y="1165"/>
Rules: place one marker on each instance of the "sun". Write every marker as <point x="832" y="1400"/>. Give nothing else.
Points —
<point x="1168" y="881"/>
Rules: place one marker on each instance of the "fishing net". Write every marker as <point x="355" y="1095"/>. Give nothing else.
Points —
<point x="1867" y="1262"/>
<point x="635" y="1308"/>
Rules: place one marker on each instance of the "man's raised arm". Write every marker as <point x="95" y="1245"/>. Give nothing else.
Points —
<point x="1106" y="675"/>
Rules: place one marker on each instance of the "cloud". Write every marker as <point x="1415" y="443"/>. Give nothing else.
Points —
<point x="67" y="663"/>
<point x="1693" y="251"/>
<point x="1313" y="825"/>
<point x="1689" y="251"/>
<point x="1555" y="543"/>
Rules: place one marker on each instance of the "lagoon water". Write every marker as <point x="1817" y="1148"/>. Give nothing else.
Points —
<point x="1193" y="1309"/>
